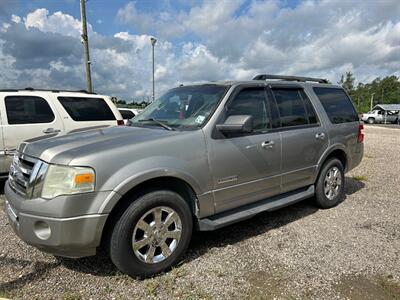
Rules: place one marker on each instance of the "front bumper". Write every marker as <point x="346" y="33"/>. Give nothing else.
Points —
<point x="76" y="236"/>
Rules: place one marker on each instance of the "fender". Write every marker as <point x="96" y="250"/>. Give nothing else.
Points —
<point x="141" y="177"/>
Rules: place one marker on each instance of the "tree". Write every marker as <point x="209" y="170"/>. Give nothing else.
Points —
<point x="386" y="90"/>
<point x="347" y="81"/>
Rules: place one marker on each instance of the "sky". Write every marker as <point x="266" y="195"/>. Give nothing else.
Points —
<point x="198" y="40"/>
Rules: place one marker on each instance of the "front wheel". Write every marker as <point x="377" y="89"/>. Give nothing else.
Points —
<point x="329" y="189"/>
<point x="371" y="120"/>
<point x="152" y="234"/>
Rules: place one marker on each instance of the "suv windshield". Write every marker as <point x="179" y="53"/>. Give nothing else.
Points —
<point x="187" y="106"/>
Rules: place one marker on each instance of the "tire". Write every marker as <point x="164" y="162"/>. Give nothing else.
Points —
<point x="371" y="120"/>
<point x="336" y="193"/>
<point x="128" y="232"/>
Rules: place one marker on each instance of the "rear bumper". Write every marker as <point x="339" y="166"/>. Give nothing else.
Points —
<point x="76" y="236"/>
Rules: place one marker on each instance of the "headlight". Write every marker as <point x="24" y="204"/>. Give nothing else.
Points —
<point x="63" y="180"/>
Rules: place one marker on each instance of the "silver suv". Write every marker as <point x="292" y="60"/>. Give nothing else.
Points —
<point x="200" y="157"/>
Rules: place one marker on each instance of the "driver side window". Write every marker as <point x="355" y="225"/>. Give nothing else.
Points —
<point x="251" y="101"/>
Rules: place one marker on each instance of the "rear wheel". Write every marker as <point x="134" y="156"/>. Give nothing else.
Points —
<point x="151" y="234"/>
<point x="330" y="184"/>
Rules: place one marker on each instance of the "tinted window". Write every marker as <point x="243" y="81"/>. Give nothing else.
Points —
<point x="87" y="109"/>
<point x="251" y="102"/>
<point x="291" y="107"/>
<point x="126" y="114"/>
<point x="312" y="116"/>
<point x="337" y="105"/>
<point x="28" y="110"/>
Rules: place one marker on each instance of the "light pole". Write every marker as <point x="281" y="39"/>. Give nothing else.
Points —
<point x="372" y="100"/>
<point x="85" y="41"/>
<point x="153" y="43"/>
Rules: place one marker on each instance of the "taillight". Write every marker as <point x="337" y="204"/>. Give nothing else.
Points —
<point x="120" y="122"/>
<point x="360" y="135"/>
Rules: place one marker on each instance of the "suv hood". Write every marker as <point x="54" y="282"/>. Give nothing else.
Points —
<point x="62" y="148"/>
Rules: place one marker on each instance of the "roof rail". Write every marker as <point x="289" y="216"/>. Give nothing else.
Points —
<point x="290" y="78"/>
<point x="46" y="90"/>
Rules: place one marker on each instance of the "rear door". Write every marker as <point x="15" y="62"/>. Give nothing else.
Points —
<point x="27" y="116"/>
<point x="304" y="138"/>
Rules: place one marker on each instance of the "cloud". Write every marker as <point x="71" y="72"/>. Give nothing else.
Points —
<point x="313" y="37"/>
<point x="208" y="40"/>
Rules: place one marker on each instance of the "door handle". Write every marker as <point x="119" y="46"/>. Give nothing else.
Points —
<point x="51" y="130"/>
<point x="320" y="136"/>
<point x="267" y="144"/>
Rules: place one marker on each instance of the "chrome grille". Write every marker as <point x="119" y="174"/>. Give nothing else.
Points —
<point x="22" y="174"/>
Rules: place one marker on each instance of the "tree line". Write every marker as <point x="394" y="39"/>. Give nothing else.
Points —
<point x="381" y="90"/>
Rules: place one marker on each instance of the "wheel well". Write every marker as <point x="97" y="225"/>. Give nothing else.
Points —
<point x="339" y="154"/>
<point x="174" y="184"/>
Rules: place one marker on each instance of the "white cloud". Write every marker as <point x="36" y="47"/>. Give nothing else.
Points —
<point x="57" y="23"/>
<point x="15" y="18"/>
<point x="227" y="39"/>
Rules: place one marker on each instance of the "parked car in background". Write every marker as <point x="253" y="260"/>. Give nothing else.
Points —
<point x="380" y="115"/>
<point x="29" y="113"/>
<point x="199" y="157"/>
<point x="129" y="113"/>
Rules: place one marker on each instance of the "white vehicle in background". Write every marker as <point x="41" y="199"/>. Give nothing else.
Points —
<point x="380" y="116"/>
<point x="129" y="113"/>
<point x="29" y="113"/>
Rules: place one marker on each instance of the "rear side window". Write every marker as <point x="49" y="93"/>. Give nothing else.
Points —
<point x="28" y="110"/>
<point x="312" y="116"/>
<point x="87" y="109"/>
<point x="337" y="105"/>
<point x="291" y="107"/>
<point x="126" y="114"/>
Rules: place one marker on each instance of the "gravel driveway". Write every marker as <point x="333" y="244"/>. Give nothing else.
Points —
<point x="350" y="251"/>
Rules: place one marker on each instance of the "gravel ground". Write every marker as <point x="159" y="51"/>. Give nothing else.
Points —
<point x="350" y="251"/>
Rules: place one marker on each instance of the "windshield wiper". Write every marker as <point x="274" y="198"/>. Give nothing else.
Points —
<point x="162" y="124"/>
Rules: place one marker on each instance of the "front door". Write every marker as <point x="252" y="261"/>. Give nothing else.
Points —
<point x="245" y="167"/>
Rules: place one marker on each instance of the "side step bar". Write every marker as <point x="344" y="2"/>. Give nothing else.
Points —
<point x="248" y="211"/>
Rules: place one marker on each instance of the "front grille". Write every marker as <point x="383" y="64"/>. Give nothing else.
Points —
<point x="21" y="174"/>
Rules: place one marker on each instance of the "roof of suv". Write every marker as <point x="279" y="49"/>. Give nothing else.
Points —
<point x="29" y="89"/>
<point x="275" y="79"/>
<point x="44" y="92"/>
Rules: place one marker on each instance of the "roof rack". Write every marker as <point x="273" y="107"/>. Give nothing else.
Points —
<point x="290" y="78"/>
<point x="46" y="90"/>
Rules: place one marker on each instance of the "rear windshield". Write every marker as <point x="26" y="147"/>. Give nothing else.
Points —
<point x="337" y="105"/>
<point x="126" y="114"/>
<point x="87" y="109"/>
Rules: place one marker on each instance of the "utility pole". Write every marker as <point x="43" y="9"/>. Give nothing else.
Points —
<point x="85" y="42"/>
<point x="153" y="43"/>
<point x="372" y="100"/>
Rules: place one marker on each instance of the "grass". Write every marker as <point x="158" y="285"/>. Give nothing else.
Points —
<point x="70" y="296"/>
<point x="4" y="294"/>
<point x="360" y="178"/>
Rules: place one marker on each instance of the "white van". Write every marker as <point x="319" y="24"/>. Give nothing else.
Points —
<point x="29" y="113"/>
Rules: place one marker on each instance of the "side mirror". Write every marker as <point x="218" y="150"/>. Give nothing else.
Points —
<point x="237" y="124"/>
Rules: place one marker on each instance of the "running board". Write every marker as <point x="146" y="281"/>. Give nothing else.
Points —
<point x="248" y="211"/>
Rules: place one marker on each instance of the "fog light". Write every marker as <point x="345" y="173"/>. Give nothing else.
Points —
<point x="42" y="230"/>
